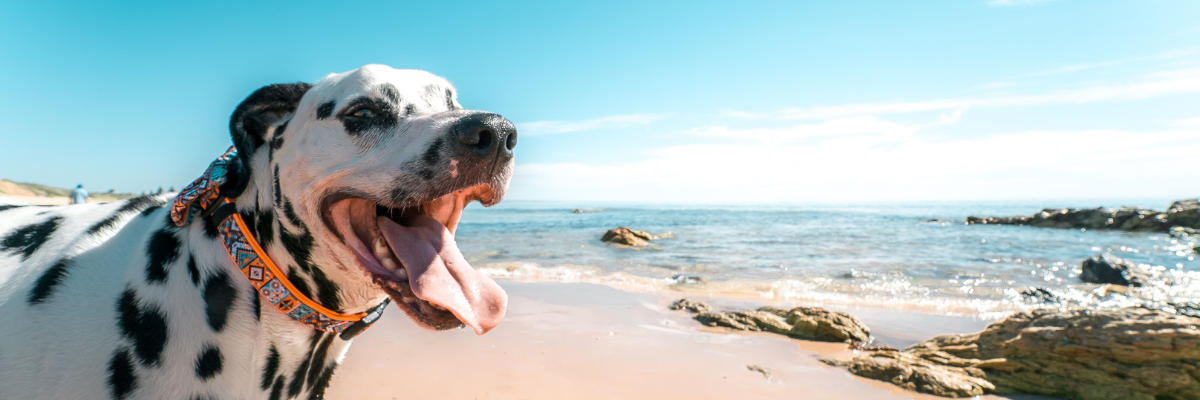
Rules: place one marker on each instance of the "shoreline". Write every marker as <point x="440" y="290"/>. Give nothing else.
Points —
<point x="590" y="341"/>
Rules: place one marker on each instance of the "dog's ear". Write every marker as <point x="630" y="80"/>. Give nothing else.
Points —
<point x="266" y="107"/>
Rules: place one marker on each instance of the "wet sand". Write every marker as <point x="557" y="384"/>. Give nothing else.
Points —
<point x="586" y="341"/>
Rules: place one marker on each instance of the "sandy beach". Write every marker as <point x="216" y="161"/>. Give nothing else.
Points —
<point x="36" y="200"/>
<point x="587" y="341"/>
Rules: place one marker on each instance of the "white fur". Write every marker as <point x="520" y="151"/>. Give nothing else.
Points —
<point x="62" y="348"/>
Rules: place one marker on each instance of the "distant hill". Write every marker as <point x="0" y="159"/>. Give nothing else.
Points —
<point x="32" y="189"/>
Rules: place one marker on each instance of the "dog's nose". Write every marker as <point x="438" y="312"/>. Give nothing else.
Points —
<point x="486" y="134"/>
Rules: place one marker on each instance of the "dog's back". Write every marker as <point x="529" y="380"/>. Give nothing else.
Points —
<point x="63" y="271"/>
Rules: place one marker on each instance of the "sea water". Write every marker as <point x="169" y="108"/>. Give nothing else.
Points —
<point x="908" y="255"/>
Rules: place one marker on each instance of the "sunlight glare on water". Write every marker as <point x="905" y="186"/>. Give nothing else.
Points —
<point x="904" y="255"/>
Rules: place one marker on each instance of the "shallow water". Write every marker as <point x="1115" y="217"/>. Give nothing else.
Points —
<point x="906" y="255"/>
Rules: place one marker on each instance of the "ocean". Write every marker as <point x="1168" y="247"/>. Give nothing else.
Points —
<point x="901" y="255"/>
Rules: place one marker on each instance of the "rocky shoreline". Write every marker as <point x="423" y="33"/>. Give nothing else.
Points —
<point x="1124" y="354"/>
<point x="1181" y="217"/>
<point x="1127" y="354"/>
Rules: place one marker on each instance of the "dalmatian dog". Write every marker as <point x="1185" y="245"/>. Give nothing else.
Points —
<point x="353" y="186"/>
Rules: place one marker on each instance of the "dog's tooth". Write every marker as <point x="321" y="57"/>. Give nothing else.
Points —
<point x="389" y="264"/>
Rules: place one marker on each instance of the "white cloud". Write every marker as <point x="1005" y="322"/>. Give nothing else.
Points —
<point x="1151" y="85"/>
<point x="1188" y="123"/>
<point x="1034" y="164"/>
<point x="1005" y="3"/>
<point x="538" y="128"/>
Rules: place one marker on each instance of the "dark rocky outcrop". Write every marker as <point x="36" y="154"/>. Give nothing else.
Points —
<point x="1182" y="213"/>
<point x="1126" y="354"/>
<point x="807" y="323"/>
<point x="1115" y="270"/>
<point x="629" y="237"/>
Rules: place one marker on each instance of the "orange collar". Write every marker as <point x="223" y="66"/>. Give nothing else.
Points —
<point x="203" y="197"/>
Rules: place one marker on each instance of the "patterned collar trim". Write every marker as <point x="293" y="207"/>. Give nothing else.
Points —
<point x="202" y="197"/>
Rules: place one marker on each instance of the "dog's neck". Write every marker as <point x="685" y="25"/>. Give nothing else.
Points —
<point x="290" y="241"/>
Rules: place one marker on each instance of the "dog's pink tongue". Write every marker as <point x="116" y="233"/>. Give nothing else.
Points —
<point x="439" y="274"/>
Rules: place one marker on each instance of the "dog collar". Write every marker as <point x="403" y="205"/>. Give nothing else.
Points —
<point x="202" y="197"/>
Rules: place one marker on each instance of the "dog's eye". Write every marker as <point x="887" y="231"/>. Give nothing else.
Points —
<point x="363" y="112"/>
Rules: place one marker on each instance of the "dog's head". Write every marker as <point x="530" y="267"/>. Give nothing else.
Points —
<point x="369" y="171"/>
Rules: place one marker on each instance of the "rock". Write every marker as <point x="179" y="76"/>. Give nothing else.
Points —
<point x="1183" y="205"/>
<point x="1106" y="268"/>
<point x="690" y="306"/>
<point x="1182" y="232"/>
<point x="765" y="373"/>
<point x="1182" y="213"/>
<point x="628" y="237"/>
<point x="816" y="323"/>
<point x="687" y="279"/>
<point x="1132" y="353"/>
<point x="807" y="323"/>
<point x="1185" y="213"/>
<point x="861" y="346"/>
<point x="1040" y="295"/>
<point x="919" y="375"/>
<point x="754" y="321"/>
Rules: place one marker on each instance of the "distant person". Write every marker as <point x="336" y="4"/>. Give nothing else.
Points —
<point x="79" y="195"/>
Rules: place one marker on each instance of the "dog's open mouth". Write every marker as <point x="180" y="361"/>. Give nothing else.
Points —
<point x="411" y="254"/>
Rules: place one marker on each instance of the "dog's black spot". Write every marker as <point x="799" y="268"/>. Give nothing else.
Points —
<point x="255" y="303"/>
<point x="130" y="206"/>
<point x="326" y="109"/>
<point x="270" y="367"/>
<point x="299" y="283"/>
<point x="450" y="100"/>
<point x="121" y="377"/>
<point x="161" y="251"/>
<point x="317" y="391"/>
<point x="210" y="228"/>
<point x="434" y="153"/>
<point x="390" y="92"/>
<point x="383" y="116"/>
<point x="106" y="223"/>
<point x="277" y="139"/>
<point x="297" y="383"/>
<point x="327" y="291"/>
<point x="145" y="326"/>
<point x="219" y="295"/>
<point x="410" y="110"/>
<point x="277" y="389"/>
<point x="278" y="196"/>
<point x="4" y="207"/>
<point x="276" y="144"/>
<point x="318" y="359"/>
<point x="249" y="219"/>
<point x="49" y="280"/>
<point x="208" y="363"/>
<point x="290" y="213"/>
<point x="427" y="174"/>
<point x="193" y="271"/>
<point x="266" y="229"/>
<point x="27" y="239"/>
<point x="150" y="211"/>
<point x="299" y="245"/>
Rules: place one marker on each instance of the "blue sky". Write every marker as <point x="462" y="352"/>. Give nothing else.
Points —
<point x="683" y="102"/>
